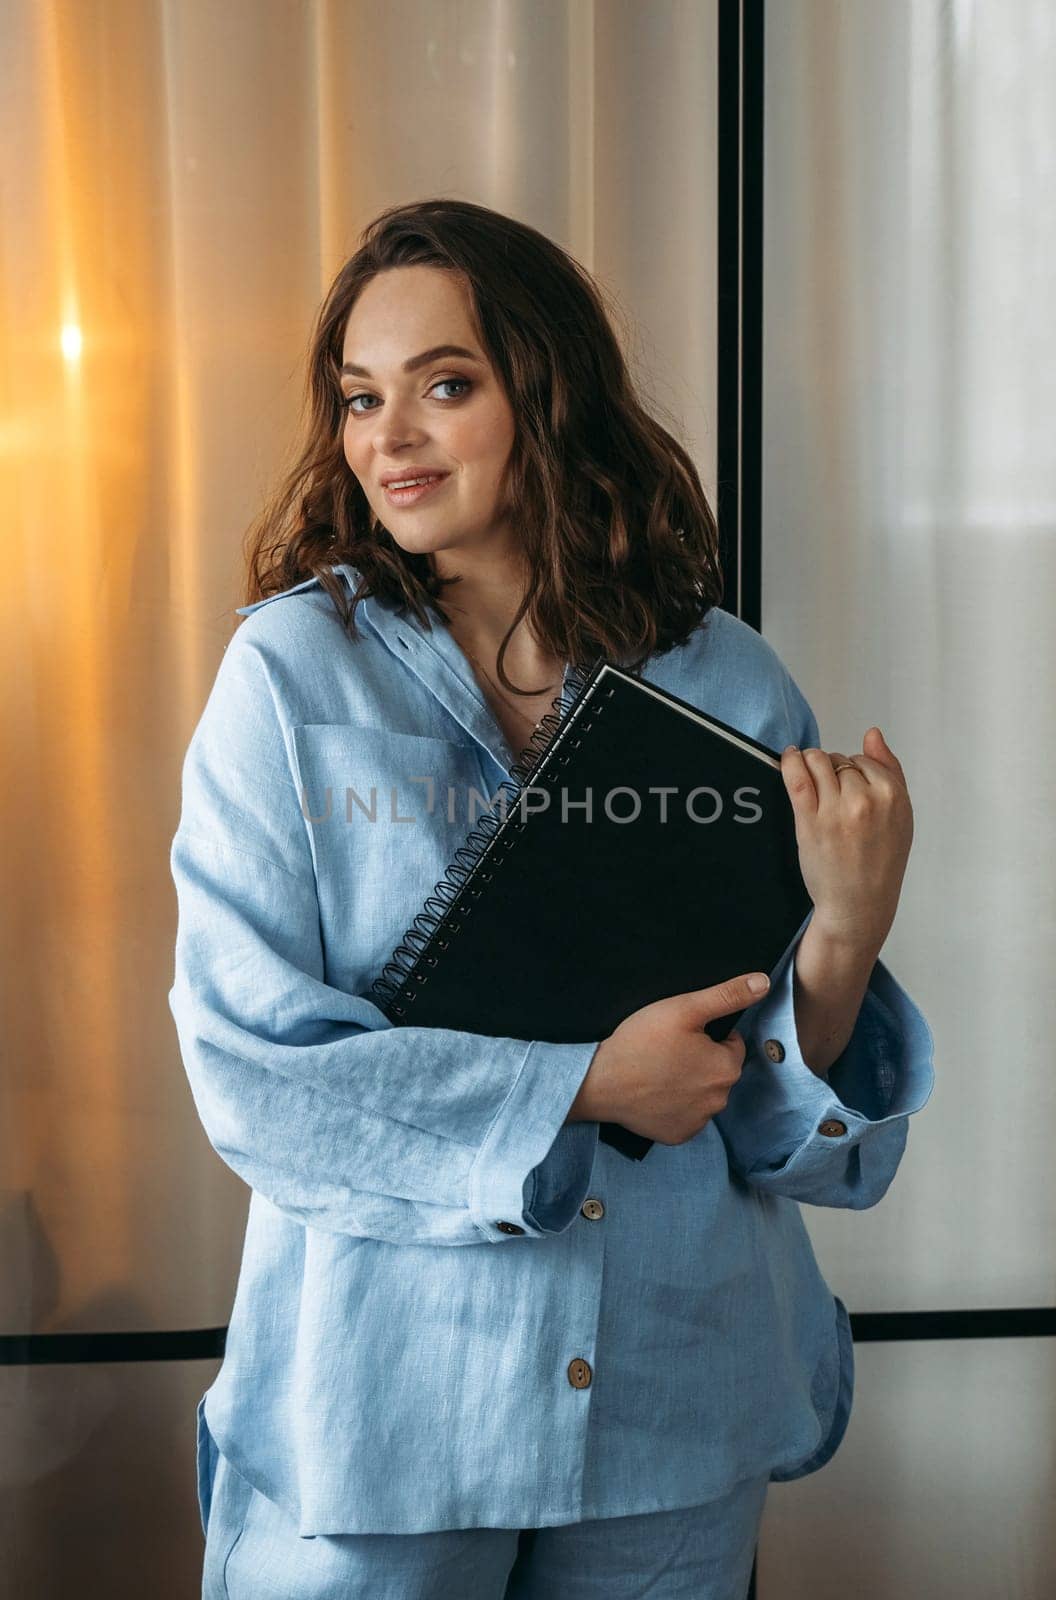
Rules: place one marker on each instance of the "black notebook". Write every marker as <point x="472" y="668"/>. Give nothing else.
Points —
<point x="555" y="922"/>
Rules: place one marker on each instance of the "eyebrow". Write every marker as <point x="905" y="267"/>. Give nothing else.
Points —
<point x="414" y="362"/>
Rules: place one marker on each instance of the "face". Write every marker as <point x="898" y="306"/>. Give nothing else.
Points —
<point x="448" y="414"/>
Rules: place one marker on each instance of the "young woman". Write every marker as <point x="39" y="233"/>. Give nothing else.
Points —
<point x="475" y="1352"/>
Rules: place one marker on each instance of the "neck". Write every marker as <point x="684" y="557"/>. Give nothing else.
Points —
<point x="485" y="600"/>
<point x="482" y="607"/>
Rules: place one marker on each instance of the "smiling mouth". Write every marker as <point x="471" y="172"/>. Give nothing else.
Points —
<point x="414" y="491"/>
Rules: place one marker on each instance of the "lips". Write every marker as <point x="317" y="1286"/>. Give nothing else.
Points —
<point x="392" y="478"/>
<point x="410" y="496"/>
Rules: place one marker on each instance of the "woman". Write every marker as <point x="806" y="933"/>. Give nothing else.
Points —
<point x="474" y="1352"/>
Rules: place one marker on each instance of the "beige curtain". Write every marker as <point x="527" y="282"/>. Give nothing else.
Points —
<point x="179" y="182"/>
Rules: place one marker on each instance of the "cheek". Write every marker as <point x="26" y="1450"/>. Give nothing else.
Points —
<point x="484" y="436"/>
<point x="357" y="453"/>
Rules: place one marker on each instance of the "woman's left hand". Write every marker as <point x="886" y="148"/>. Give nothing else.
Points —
<point x="854" y="830"/>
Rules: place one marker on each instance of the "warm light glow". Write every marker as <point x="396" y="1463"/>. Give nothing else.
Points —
<point x="72" y="341"/>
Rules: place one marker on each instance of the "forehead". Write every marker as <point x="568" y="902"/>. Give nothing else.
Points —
<point x="402" y="311"/>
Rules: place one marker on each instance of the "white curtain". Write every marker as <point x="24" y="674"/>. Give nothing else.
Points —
<point x="179" y="183"/>
<point x="909" y="570"/>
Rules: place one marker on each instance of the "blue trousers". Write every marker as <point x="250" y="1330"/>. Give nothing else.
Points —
<point x="253" y="1552"/>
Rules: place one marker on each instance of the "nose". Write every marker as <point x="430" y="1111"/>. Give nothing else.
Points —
<point x="391" y="446"/>
<point x="395" y="432"/>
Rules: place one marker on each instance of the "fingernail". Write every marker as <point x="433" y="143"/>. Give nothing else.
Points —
<point x="758" y="983"/>
<point x="789" y="747"/>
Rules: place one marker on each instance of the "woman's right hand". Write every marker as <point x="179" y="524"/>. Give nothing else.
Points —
<point x="659" y="1074"/>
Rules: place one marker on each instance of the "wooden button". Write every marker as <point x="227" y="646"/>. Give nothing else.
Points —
<point x="579" y="1374"/>
<point x="832" y="1128"/>
<point x="508" y="1227"/>
<point x="774" y="1049"/>
<point x="593" y="1209"/>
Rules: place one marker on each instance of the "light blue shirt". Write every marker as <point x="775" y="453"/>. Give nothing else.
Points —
<point x="453" y="1309"/>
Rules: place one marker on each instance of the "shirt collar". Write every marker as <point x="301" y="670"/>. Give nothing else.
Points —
<point x="433" y="655"/>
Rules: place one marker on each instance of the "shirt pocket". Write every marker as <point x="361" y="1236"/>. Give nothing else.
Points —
<point x="385" y="813"/>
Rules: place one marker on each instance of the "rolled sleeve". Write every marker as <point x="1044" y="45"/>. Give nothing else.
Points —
<point x="530" y="1132"/>
<point x="835" y="1140"/>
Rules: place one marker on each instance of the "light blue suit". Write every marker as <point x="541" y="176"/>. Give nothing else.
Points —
<point x="433" y="1329"/>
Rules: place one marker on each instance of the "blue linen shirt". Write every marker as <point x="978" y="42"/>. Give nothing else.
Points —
<point x="454" y="1310"/>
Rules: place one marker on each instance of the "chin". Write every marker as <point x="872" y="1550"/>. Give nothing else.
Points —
<point x="417" y="541"/>
<point x="422" y="544"/>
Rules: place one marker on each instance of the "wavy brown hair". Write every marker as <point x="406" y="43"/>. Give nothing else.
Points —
<point x="621" y="544"/>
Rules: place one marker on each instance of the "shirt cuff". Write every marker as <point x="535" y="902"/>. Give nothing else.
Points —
<point x="779" y="1104"/>
<point x="532" y="1172"/>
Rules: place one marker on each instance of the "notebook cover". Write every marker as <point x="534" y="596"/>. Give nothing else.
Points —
<point x="557" y="927"/>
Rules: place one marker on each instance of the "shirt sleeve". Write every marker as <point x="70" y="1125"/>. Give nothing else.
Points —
<point x="837" y="1140"/>
<point x="340" y="1119"/>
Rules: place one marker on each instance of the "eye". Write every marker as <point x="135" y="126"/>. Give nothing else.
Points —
<point x="347" y="404"/>
<point x="440" y="382"/>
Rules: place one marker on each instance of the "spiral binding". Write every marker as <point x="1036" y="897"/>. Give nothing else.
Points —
<point x="404" y="967"/>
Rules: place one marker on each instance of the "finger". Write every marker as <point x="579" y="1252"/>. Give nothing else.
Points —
<point x="798" y="780"/>
<point x="850" y="772"/>
<point x="703" y="1005"/>
<point x="737" y="1046"/>
<point x="825" y="780"/>
<point x="882" y="751"/>
<point x="875" y="772"/>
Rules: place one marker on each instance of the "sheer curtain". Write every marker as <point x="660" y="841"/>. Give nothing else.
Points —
<point x="909" y="565"/>
<point x="179" y="182"/>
